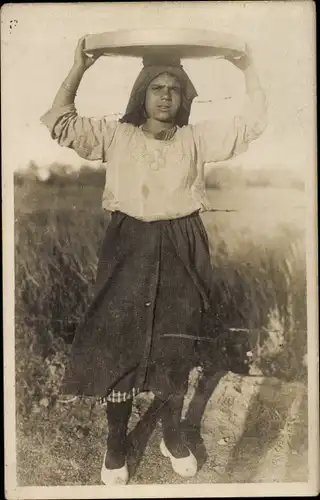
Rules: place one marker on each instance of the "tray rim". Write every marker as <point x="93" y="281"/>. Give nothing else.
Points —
<point x="206" y="42"/>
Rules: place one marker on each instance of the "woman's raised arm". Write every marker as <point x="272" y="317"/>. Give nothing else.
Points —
<point x="90" y="138"/>
<point x="255" y="91"/>
<point x="67" y="92"/>
<point x="220" y="139"/>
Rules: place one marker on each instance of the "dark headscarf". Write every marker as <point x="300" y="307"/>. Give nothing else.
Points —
<point x="153" y="67"/>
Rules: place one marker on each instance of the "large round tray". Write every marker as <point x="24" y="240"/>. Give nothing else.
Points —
<point x="183" y="43"/>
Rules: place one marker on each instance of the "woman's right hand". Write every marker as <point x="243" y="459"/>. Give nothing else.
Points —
<point x="81" y="60"/>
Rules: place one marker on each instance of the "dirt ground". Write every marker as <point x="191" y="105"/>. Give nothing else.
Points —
<point x="253" y="430"/>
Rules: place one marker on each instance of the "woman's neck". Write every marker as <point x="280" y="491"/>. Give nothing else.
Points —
<point x="154" y="127"/>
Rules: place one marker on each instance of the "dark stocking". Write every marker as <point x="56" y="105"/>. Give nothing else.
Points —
<point x="118" y="415"/>
<point x="171" y="418"/>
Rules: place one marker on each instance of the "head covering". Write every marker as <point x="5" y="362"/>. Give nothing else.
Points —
<point x="154" y="66"/>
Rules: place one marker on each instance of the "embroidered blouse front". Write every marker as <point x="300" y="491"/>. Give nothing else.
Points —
<point x="147" y="178"/>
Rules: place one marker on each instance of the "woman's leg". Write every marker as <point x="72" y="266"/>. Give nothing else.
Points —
<point x="118" y="415"/>
<point x="172" y="446"/>
<point x="171" y="425"/>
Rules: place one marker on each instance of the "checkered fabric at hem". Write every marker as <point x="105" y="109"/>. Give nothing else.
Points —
<point x="118" y="397"/>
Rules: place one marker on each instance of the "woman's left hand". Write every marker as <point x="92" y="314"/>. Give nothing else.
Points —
<point x="241" y="62"/>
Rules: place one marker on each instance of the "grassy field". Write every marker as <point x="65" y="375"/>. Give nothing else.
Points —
<point x="258" y="259"/>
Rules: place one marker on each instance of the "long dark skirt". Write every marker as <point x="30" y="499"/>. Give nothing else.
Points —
<point x="151" y="295"/>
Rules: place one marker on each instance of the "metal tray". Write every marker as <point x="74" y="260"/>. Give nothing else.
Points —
<point x="183" y="43"/>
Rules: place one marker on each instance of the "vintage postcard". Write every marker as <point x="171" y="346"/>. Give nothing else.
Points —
<point x="160" y="259"/>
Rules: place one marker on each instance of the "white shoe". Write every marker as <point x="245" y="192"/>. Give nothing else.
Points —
<point x="186" y="467"/>
<point x="114" y="476"/>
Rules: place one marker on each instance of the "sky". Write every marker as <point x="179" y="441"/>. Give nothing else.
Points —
<point x="38" y="43"/>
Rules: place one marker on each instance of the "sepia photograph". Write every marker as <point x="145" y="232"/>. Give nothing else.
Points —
<point x="160" y="249"/>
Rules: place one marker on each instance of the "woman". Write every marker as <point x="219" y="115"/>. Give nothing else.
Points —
<point x="153" y="289"/>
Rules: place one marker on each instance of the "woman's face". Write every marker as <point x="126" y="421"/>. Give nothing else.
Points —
<point x="163" y="98"/>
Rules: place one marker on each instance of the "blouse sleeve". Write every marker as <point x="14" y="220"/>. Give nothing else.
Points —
<point x="221" y="139"/>
<point x="90" y="138"/>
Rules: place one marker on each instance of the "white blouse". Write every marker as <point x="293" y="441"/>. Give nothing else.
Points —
<point x="147" y="178"/>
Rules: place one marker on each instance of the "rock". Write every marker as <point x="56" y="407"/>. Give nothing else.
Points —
<point x="44" y="402"/>
<point x="223" y="441"/>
